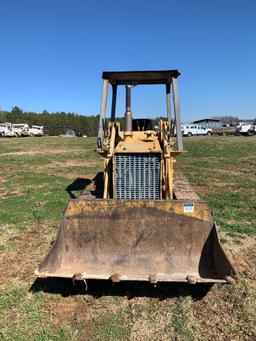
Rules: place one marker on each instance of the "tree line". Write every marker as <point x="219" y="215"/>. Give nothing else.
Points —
<point x="232" y="120"/>
<point x="58" y="122"/>
<point x="54" y="123"/>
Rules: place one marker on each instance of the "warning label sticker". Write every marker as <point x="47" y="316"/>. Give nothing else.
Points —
<point x="188" y="207"/>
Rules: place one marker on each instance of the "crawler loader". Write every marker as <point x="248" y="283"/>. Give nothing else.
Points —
<point x="138" y="220"/>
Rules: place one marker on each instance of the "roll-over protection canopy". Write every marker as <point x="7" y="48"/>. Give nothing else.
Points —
<point x="140" y="77"/>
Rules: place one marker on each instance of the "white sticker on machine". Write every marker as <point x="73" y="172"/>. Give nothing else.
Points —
<point x="188" y="207"/>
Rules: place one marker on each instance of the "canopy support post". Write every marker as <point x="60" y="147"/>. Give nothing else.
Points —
<point x="168" y="101"/>
<point x="103" y="107"/>
<point x="113" y="106"/>
<point x="176" y="103"/>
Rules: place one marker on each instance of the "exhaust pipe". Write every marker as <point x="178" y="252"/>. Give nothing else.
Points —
<point x="128" y="113"/>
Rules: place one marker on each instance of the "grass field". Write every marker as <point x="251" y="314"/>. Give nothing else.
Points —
<point x="34" y="174"/>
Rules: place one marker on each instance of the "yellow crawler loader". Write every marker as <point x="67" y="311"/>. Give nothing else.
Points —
<point x="138" y="220"/>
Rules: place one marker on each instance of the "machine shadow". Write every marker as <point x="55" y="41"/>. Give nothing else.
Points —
<point x="81" y="185"/>
<point x="98" y="288"/>
<point x="78" y="184"/>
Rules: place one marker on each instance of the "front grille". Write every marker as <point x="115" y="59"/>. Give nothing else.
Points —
<point x="137" y="176"/>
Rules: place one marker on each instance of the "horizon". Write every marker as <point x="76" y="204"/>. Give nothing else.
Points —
<point x="218" y="117"/>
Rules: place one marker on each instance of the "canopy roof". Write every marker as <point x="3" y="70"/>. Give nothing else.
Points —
<point x="140" y="77"/>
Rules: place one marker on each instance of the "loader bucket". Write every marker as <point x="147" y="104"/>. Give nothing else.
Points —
<point x="141" y="240"/>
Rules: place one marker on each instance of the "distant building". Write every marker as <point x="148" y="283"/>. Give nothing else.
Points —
<point x="209" y="123"/>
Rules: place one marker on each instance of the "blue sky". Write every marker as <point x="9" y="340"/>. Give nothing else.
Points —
<point x="54" y="51"/>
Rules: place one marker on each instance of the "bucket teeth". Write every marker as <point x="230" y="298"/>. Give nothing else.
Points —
<point x="230" y="280"/>
<point x="115" y="278"/>
<point x="191" y="279"/>
<point x="78" y="277"/>
<point x="153" y="278"/>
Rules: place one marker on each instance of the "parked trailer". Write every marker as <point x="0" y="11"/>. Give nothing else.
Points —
<point x="21" y="129"/>
<point x="7" y="130"/>
<point x="246" y="129"/>
<point x="36" y="130"/>
<point x="224" y="131"/>
<point x="2" y="130"/>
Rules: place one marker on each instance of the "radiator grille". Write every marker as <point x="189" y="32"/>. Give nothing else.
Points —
<point x="137" y="176"/>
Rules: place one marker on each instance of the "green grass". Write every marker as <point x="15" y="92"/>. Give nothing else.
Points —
<point x="42" y="195"/>
<point x="32" y="197"/>
<point x="111" y="327"/>
<point x="31" y="322"/>
<point x="183" y="320"/>
<point x="223" y="169"/>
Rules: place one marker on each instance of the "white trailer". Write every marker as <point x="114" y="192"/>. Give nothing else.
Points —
<point x="36" y="130"/>
<point x="7" y="130"/>
<point x="246" y="129"/>
<point x="2" y="129"/>
<point x="21" y="129"/>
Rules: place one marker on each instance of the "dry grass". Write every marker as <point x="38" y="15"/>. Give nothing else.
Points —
<point x="33" y="176"/>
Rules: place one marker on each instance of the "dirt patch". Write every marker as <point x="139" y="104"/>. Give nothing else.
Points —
<point x="55" y="168"/>
<point x="11" y="193"/>
<point x="75" y="163"/>
<point x="83" y="312"/>
<point x="43" y="152"/>
<point x="230" y="171"/>
<point x="250" y="161"/>
<point x="75" y="175"/>
<point x="74" y="310"/>
<point x="244" y="257"/>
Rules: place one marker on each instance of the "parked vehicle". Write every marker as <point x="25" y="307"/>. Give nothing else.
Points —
<point x="2" y="129"/>
<point x="194" y="129"/>
<point x="246" y="129"/>
<point x="7" y="130"/>
<point x="21" y="129"/>
<point x="36" y="131"/>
